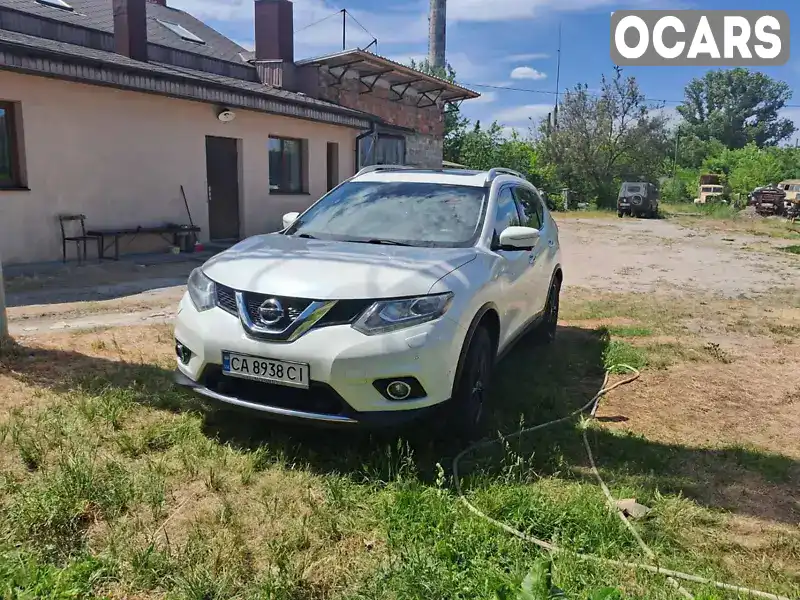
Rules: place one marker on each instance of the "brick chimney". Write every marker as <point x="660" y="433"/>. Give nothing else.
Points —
<point x="130" y="28"/>
<point x="274" y="30"/>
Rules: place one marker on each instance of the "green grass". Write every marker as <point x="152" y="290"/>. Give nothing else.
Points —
<point x="114" y="483"/>
<point x="792" y="249"/>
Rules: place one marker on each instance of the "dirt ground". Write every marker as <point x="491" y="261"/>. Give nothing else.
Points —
<point x="643" y="255"/>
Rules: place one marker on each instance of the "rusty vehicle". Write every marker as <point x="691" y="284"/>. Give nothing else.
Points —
<point x="768" y="200"/>
<point x="710" y="189"/>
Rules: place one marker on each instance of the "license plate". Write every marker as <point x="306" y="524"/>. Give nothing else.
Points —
<point x="265" y="369"/>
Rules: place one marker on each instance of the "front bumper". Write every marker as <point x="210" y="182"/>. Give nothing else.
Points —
<point x="346" y="417"/>
<point x="343" y="365"/>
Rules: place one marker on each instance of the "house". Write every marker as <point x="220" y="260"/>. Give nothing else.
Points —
<point x="109" y="107"/>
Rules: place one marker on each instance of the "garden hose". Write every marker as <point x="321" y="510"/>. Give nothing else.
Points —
<point x="591" y="406"/>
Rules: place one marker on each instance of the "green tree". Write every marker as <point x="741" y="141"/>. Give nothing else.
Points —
<point x="692" y="151"/>
<point x="754" y="167"/>
<point x="484" y="149"/>
<point x="603" y="140"/>
<point x="736" y="107"/>
<point x="455" y="125"/>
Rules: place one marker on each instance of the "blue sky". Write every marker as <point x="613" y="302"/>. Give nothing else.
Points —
<point x="502" y="43"/>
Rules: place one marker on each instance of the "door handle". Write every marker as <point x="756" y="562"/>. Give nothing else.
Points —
<point x="551" y="243"/>
<point x="531" y="258"/>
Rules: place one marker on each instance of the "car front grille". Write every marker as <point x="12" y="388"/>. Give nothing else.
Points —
<point x="343" y="312"/>
<point x="292" y="308"/>
<point x="226" y="299"/>
<point x="320" y="398"/>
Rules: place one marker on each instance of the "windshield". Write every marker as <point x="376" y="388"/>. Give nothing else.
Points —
<point x="413" y="213"/>
<point x="711" y="189"/>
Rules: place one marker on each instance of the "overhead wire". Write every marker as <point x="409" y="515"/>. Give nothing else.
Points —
<point x="553" y="93"/>
<point x="317" y="22"/>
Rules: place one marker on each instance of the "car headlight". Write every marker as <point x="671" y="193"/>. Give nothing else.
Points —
<point x="390" y="315"/>
<point x="202" y="291"/>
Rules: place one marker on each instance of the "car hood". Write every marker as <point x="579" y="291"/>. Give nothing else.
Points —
<point x="329" y="270"/>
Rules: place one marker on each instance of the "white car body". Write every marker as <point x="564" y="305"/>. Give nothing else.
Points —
<point x="509" y="287"/>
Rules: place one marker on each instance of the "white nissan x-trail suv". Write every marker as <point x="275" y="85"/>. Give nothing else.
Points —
<point x="389" y="298"/>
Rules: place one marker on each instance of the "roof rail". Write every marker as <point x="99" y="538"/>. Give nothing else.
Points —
<point x="497" y="171"/>
<point x="374" y="168"/>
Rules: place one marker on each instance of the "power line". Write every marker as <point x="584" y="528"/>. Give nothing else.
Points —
<point x="595" y="94"/>
<point x="317" y="22"/>
<point x="367" y="31"/>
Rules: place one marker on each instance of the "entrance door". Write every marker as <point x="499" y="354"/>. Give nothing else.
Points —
<point x="222" y="173"/>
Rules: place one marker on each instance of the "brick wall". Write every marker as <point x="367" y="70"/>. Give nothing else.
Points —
<point x="424" y="151"/>
<point x="403" y="113"/>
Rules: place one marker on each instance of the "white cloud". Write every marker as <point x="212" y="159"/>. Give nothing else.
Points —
<point x="794" y="115"/>
<point x="526" y="57"/>
<point x="485" y="98"/>
<point x="527" y="73"/>
<point x="671" y="114"/>
<point x="522" y="116"/>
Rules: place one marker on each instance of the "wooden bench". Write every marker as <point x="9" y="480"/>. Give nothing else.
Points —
<point x="175" y="231"/>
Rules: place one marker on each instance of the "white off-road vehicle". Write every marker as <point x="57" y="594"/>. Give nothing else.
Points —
<point x="390" y="298"/>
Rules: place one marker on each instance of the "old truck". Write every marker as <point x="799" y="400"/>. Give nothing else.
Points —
<point x="710" y="189"/>
<point x="768" y="200"/>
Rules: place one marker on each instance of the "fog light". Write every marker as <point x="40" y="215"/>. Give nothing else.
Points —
<point x="398" y="390"/>
<point x="183" y="353"/>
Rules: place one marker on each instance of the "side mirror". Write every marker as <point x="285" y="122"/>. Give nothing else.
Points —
<point x="519" y="238"/>
<point x="290" y="218"/>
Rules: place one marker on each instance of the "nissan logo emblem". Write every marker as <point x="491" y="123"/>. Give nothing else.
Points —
<point x="270" y="312"/>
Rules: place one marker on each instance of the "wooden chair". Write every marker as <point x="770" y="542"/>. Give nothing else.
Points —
<point x="78" y="237"/>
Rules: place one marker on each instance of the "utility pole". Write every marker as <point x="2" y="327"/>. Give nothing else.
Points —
<point x="344" y="29"/>
<point x="558" y="78"/>
<point x="675" y="162"/>
<point x="437" y="34"/>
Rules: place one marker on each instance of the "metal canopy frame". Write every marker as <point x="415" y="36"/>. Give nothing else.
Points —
<point x="371" y="68"/>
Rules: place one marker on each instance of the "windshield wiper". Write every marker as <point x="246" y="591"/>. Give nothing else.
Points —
<point x="384" y="242"/>
<point x="307" y="236"/>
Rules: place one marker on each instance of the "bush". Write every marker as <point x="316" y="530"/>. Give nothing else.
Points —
<point x="675" y="191"/>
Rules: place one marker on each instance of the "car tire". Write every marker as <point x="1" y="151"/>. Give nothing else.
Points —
<point x="619" y="214"/>
<point x="468" y="405"/>
<point x="545" y="332"/>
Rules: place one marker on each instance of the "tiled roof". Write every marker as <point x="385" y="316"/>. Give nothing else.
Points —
<point x="98" y="15"/>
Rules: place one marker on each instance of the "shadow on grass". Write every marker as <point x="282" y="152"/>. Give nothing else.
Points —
<point x="532" y="385"/>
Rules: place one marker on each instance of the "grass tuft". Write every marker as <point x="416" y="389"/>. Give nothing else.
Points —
<point x="622" y="353"/>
